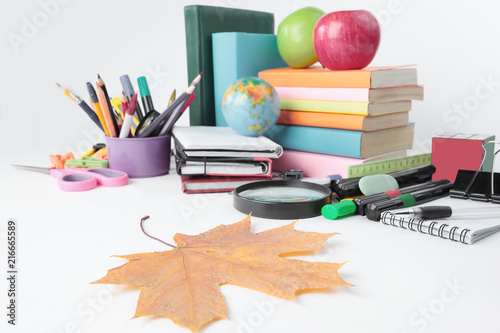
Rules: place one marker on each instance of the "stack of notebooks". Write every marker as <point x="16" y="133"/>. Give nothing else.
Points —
<point x="332" y="119"/>
<point x="217" y="159"/>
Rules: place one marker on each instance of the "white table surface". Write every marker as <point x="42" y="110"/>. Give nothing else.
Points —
<point x="404" y="281"/>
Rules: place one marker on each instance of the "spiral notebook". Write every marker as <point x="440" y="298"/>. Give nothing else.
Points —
<point x="466" y="232"/>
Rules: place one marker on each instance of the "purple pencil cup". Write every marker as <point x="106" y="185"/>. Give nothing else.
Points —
<point x="139" y="157"/>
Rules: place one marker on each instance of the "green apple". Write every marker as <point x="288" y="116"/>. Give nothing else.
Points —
<point x="295" y="37"/>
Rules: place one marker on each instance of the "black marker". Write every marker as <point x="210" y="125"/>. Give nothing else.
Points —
<point x="349" y="187"/>
<point x="374" y="210"/>
<point x="362" y="202"/>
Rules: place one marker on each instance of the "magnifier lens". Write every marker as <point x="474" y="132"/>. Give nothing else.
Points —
<point x="282" y="194"/>
<point x="282" y="199"/>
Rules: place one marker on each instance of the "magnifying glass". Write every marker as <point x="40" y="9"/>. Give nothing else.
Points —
<point x="281" y="199"/>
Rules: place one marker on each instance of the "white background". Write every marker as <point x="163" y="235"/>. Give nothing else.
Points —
<point x="66" y="239"/>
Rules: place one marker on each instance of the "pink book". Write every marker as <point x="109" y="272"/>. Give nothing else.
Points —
<point x="388" y="94"/>
<point x="320" y="165"/>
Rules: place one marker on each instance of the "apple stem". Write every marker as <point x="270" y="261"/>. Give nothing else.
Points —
<point x="144" y="231"/>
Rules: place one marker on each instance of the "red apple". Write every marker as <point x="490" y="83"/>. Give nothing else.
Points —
<point x="346" y="39"/>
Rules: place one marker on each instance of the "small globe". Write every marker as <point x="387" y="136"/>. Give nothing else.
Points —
<point x="251" y="106"/>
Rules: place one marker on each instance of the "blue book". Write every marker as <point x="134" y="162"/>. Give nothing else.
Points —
<point x="342" y="142"/>
<point x="237" y="55"/>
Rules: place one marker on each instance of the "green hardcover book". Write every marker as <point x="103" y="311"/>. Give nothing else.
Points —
<point x="201" y="22"/>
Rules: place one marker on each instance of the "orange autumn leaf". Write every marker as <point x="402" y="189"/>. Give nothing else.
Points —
<point x="183" y="284"/>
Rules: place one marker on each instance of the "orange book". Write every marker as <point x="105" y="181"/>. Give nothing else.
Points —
<point x="317" y="76"/>
<point x="343" y="121"/>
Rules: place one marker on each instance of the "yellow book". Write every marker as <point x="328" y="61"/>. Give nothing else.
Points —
<point x="361" y="108"/>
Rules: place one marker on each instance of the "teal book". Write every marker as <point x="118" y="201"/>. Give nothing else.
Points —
<point x="200" y="23"/>
<point x="237" y="55"/>
<point x="349" y="143"/>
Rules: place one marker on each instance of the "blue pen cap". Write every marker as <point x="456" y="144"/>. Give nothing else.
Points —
<point x="127" y="85"/>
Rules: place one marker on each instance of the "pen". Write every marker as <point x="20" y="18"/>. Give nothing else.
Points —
<point x="374" y="210"/>
<point x="159" y="122"/>
<point x="176" y="114"/>
<point x="129" y="92"/>
<point x="362" y="202"/>
<point x="84" y="106"/>
<point x="105" y="111"/>
<point x="436" y="212"/>
<point x="97" y="107"/>
<point x="129" y="117"/>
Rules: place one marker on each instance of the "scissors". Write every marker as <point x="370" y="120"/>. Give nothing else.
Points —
<point x="80" y="179"/>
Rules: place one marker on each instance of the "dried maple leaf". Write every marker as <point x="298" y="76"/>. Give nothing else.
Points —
<point x="183" y="284"/>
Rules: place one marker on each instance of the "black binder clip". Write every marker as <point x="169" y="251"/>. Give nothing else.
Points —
<point x="478" y="185"/>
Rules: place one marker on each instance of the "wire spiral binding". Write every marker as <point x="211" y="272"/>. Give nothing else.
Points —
<point x="418" y="225"/>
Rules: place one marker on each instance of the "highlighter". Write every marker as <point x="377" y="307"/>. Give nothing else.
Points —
<point x="343" y="208"/>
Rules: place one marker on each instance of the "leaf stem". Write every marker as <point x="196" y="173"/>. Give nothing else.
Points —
<point x="144" y="231"/>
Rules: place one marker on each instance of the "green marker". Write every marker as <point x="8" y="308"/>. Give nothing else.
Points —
<point x="339" y="209"/>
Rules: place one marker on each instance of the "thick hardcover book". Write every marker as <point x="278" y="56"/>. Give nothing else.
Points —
<point x="387" y="94"/>
<point x="317" y="76"/>
<point x="208" y="184"/>
<point x="343" y="121"/>
<point x="237" y="55"/>
<point x="319" y="165"/>
<point x="200" y="23"/>
<point x="364" y="108"/>
<point x="342" y="142"/>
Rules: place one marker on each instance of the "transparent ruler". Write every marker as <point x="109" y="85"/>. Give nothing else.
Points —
<point x="386" y="166"/>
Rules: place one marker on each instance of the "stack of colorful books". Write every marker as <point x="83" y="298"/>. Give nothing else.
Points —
<point x="330" y="119"/>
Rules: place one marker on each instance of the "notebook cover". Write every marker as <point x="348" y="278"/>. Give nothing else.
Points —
<point x="449" y="150"/>
<point x="200" y="23"/>
<point x="210" y="184"/>
<point x="237" y="55"/>
<point x="222" y="142"/>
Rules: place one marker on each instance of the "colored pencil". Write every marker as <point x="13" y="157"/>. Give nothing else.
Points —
<point x="97" y="107"/>
<point x="101" y="84"/>
<point x="84" y="106"/>
<point x="106" y="111"/>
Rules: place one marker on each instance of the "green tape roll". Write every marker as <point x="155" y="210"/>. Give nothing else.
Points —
<point x="408" y="200"/>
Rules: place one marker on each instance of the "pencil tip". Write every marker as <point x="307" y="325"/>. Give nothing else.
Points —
<point x="98" y="76"/>
<point x="58" y="85"/>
